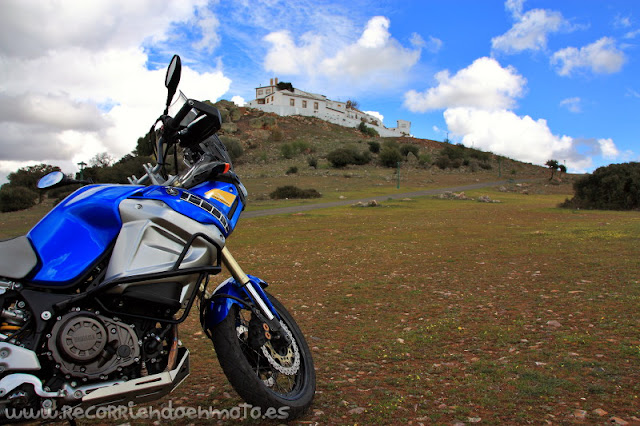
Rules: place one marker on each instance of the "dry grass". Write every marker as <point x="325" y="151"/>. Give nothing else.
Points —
<point x="430" y="310"/>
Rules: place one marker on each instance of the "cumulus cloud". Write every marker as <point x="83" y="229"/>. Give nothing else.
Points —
<point x="238" y="100"/>
<point x="484" y="84"/>
<point x="600" y="57"/>
<point x="572" y="104"/>
<point x="375" y="57"/>
<point x="608" y="149"/>
<point x="73" y="83"/>
<point x="530" y="30"/>
<point x="477" y="103"/>
<point x="376" y="114"/>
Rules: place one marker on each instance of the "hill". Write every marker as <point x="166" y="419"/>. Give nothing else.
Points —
<point x="273" y="145"/>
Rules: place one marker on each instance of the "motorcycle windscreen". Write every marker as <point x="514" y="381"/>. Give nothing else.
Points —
<point x="73" y="236"/>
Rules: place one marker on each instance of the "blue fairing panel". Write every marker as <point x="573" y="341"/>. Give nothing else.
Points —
<point x="218" y="307"/>
<point x="210" y="202"/>
<point x="73" y="236"/>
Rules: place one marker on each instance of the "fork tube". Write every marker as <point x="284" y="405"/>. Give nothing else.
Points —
<point x="242" y="278"/>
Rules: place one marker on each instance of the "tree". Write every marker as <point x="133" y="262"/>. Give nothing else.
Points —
<point x="28" y="177"/>
<point x="145" y="146"/>
<point x="102" y="159"/>
<point x="13" y="198"/>
<point x="614" y="187"/>
<point x="553" y="165"/>
<point x="563" y="169"/>
<point x="351" y="104"/>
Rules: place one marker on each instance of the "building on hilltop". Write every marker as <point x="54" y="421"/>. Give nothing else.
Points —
<point x="283" y="99"/>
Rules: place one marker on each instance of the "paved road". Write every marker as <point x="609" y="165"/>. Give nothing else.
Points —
<point x="307" y="207"/>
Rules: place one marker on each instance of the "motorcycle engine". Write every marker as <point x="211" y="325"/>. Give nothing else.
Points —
<point x="88" y="346"/>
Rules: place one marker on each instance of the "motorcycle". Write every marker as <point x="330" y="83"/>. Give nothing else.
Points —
<point x="92" y="297"/>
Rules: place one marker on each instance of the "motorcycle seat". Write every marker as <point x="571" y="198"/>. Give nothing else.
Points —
<point x="17" y="258"/>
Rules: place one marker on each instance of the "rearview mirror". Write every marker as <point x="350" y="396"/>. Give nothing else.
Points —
<point x="172" y="78"/>
<point x="51" y="179"/>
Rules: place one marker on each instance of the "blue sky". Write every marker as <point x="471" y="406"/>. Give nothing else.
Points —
<point x="532" y="80"/>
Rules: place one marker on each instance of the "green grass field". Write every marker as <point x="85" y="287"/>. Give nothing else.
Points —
<point x="437" y="311"/>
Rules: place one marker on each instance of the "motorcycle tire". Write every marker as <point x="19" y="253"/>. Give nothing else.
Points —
<point x="259" y="378"/>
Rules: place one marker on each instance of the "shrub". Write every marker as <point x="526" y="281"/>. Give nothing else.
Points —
<point x="292" y="170"/>
<point x="443" y="162"/>
<point x="424" y="160"/>
<point x="406" y="149"/>
<point x="453" y="152"/>
<point x="287" y="151"/>
<point x="390" y="157"/>
<point x="276" y="135"/>
<point x="290" y="150"/>
<point x="342" y="157"/>
<point x="290" y="191"/>
<point x="14" y="198"/>
<point x="312" y="162"/>
<point x="374" y="147"/>
<point x="233" y="147"/>
<point x="614" y="187"/>
<point x="369" y="131"/>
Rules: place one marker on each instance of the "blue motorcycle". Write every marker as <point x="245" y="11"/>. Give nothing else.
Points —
<point x="92" y="297"/>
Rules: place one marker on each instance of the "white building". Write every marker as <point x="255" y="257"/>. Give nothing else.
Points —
<point x="285" y="101"/>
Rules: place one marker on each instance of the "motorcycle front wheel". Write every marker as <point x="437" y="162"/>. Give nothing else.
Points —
<point x="283" y="381"/>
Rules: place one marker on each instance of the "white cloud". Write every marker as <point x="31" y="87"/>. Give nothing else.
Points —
<point x="286" y="57"/>
<point x="74" y="79"/>
<point x="515" y="7"/>
<point x="483" y="84"/>
<point x="620" y="21"/>
<point x="477" y="102"/>
<point x="376" y="114"/>
<point x="632" y="34"/>
<point x="572" y="104"/>
<point x="238" y="100"/>
<point x="208" y="24"/>
<point x="530" y="31"/>
<point x="31" y="28"/>
<point x="632" y="93"/>
<point x="601" y="57"/>
<point x="523" y="138"/>
<point x="375" y="57"/>
<point x="608" y="149"/>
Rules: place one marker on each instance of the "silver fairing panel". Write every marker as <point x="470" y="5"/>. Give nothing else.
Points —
<point x="151" y="240"/>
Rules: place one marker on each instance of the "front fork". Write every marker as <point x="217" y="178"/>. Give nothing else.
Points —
<point x="244" y="281"/>
<point x="235" y="291"/>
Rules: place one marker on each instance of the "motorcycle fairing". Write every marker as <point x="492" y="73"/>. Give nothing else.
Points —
<point x="218" y="308"/>
<point x="209" y="202"/>
<point x="72" y="236"/>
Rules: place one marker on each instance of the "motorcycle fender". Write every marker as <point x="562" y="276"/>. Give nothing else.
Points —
<point x="218" y="307"/>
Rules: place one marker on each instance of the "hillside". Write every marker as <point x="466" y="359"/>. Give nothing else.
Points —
<point x="266" y="139"/>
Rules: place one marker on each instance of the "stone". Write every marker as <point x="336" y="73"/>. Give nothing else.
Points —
<point x="579" y="414"/>
<point x="600" y="412"/>
<point x="357" y="410"/>
<point x="554" y="323"/>
<point x="618" y="421"/>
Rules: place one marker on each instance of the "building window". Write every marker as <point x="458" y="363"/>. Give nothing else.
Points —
<point x="292" y="102"/>
<point x="304" y="104"/>
<point x="268" y="91"/>
<point x="267" y="100"/>
<point x="260" y="92"/>
<point x="315" y="105"/>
